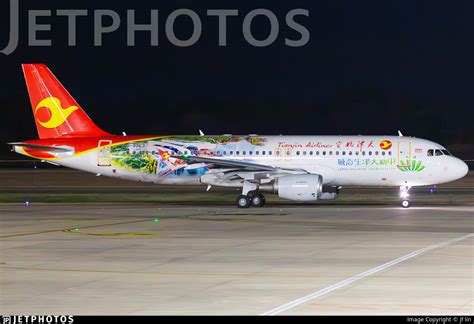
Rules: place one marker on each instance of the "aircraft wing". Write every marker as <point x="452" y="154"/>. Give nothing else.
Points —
<point x="240" y="165"/>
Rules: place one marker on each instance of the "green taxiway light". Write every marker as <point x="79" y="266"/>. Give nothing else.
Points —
<point x="156" y="220"/>
<point x="76" y="230"/>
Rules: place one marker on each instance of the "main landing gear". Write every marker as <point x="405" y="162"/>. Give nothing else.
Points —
<point x="252" y="199"/>
<point x="405" y="203"/>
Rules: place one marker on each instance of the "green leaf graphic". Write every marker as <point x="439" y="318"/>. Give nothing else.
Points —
<point x="418" y="165"/>
<point x="411" y="165"/>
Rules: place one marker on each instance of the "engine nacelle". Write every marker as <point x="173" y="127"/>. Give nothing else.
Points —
<point x="301" y="187"/>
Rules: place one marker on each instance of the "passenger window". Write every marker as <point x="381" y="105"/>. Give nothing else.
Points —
<point x="297" y="152"/>
<point x="237" y="153"/>
<point x="383" y="152"/>
<point x="310" y="152"/>
<point x="370" y="152"/>
<point x="288" y="152"/>
<point x="343" y="152"/>
<point x="263" y="152"/>
<point x="317" y="152"/>
<point x="438" y="152"/>
<point x="257" y="152"/>
<point x="350" y="152"/>
<point x="304" y="152"/>
<point x="269" y="152"/>
<point x="230" y="153"/>
<point x="324" y="152"/>
<point x="244" y="153"/>
<point x="250" y="152"/>
<point x="389" y="152"/>
<point x="357" y="152"/>
<point x="225" y="152"/>
<point x="330" y="152"/>
<point x="337" y="152"/>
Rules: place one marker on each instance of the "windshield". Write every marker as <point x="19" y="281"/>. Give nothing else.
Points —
<point x="438" y="152"/>
<point x="446" y="152"/>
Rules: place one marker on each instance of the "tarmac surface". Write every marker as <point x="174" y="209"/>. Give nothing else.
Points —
<point x="119" y="247"/>
<point x="147" y="259"/>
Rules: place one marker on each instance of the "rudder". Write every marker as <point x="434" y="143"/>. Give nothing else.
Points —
<point x="56" y="112"/>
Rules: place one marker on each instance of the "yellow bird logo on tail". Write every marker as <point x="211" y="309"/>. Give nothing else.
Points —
<point x="59" y="115"/>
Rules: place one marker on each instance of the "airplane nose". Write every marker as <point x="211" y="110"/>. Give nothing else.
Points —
<point x="460" y="168"/>
<point x="465" y="169"/>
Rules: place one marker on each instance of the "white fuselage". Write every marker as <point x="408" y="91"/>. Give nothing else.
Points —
<point x="341" y="160"/>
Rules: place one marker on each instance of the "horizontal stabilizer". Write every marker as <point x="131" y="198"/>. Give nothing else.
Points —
<point x="44" y="148"/>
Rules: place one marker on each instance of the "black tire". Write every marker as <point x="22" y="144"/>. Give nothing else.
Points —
<point x="405" y="203"/>
<point x="243" y="201"/>
<point x="257" y="200"/>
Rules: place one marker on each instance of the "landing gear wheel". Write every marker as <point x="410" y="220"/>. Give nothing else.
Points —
<point x="405" y="203"/>
<point x="258" y="200"/>
<point x="243" y="201"/>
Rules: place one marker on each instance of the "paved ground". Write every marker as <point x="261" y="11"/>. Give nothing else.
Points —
<point x="60" y="185"/>
<point x="164" y="259"/>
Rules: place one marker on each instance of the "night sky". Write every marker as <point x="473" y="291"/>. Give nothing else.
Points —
<point x="369" y="68"/>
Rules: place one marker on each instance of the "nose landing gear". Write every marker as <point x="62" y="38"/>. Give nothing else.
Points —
<point x="405" y="203"/>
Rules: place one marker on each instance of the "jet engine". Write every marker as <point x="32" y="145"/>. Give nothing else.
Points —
<point x="301" y="187"/>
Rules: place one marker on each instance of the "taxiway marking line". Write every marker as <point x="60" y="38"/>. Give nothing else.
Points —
<point x="95" y="226"/>
<point x="363" y="275"/>
<point x="62" y="229"/>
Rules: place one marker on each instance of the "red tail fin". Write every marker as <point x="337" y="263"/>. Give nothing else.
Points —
<point x="55" y="110"/>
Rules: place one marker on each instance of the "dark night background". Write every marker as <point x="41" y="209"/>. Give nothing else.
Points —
<point x="369" y="68"/>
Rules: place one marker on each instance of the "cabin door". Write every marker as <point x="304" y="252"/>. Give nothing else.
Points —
<point x="404" y="152"/>
<point x="104" y="152"/>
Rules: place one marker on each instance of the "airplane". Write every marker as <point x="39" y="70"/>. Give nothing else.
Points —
<point x="296" y="168"/>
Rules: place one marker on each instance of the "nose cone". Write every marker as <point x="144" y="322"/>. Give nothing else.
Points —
<point x="459" y="168"/>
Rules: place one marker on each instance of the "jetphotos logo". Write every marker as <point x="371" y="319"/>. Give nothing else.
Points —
<point x="37" y="319"/>
<point x="107" y="21"/>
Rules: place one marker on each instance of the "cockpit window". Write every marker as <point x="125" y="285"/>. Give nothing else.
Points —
<point x="446" y="152"/>
<point x="436" y="152"/>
